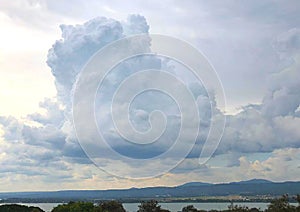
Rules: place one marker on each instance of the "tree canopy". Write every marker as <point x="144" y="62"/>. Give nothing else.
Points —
<point x="111" y="206"/>
<point x="19" y="208"/>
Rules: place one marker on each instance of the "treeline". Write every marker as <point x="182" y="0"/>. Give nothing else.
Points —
<point x="19" y="208"/>
<point x="277" y="205"/>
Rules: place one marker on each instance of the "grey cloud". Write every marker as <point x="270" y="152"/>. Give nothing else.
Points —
<point x="42" y="136"/>
<point x="288" y="42"/>
<point x="12" y="128"/>
<point x="270" y="125"/>
<point x="51" y="137"/>
<point x="258" y="128"/>
<point x="33" y="14"/>
<point x="54" y="114"/>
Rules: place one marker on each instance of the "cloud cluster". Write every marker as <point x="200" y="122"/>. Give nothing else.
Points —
<point x="45" y="143"/>
<point x="271" y="125"/>
<point x="264" y="127"/>
<point x="48" y="136"/>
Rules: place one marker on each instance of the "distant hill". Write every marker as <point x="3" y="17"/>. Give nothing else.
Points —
<point x="193" y="189"/>
<point x="253" y="181"/>
<point x="191" y="184"/>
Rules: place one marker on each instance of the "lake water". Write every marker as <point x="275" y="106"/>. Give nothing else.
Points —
<point x="174" y="207"/>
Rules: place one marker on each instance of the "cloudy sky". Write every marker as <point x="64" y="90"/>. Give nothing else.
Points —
<point x="254" y="47"/>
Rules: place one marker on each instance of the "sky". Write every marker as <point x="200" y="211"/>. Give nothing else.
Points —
<point x="254" y="47"/>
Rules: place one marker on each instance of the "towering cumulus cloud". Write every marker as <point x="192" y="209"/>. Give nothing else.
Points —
<point x="78" y="43"/>
<point x="46" y="141"/>
<point x="68" y="55"/>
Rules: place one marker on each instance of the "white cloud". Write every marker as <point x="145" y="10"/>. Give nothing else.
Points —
<point x="240" y="47"/>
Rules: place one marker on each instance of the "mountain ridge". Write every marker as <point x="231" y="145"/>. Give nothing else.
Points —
<point x="253" y="181"/>
<point x="192" y="189"/>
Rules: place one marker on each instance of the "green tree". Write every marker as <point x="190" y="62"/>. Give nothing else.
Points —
<point x="189" y="208"/>
<point x="238" y="208"/>
<point x="281" y="205"/>
<point x="75" y="207"/>
<point x="151" y="206"/>
<point x="111" y="206"/>
<point x="298" y="199"/>
<point x="19" y="208"/>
